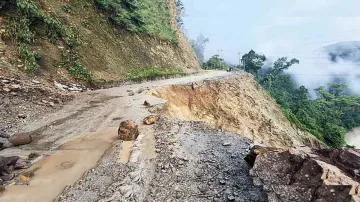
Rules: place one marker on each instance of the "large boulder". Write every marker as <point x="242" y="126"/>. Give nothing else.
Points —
<point x="20" y="139"/>
<point x="128" y="130"/>
<point x="305" y="174"/>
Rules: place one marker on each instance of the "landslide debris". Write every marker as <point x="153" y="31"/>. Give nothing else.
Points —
<point x="304" y="174"/>
<point x="236" y="103"/>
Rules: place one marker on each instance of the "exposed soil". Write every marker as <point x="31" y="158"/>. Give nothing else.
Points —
<point x="236" y="103"/>
<point x="81" y="158"/>
<point x="76" y="123"/>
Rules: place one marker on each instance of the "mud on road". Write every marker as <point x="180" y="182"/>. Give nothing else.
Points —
<point x="193" y="163"/>
<point x="82" y="160"/>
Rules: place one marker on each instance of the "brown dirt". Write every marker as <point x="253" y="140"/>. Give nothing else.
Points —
<point x="106" y="51"/>
<point x="237" y="104"/>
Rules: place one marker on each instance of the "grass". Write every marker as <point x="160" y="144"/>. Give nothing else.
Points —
<point x="28" y="23"/>
<point x="150" y="17"/>
<point x="152" y="73"/>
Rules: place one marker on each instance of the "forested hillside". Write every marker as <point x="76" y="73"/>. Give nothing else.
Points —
<point x="328" y="116"/>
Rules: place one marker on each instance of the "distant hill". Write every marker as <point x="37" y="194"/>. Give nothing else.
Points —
<point x="347" y="50"/>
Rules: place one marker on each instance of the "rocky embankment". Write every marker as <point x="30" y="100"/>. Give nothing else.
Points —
<point x="236" y="103"/>
<point x="304" y="174"/>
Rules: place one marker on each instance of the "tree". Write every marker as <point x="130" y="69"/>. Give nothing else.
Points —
<point x="277" y="70"/>
<point x="253" y="62"/>
<point x="199" y="46"/>
<point x="215" y="62"/>
<point x="181" y="13"/>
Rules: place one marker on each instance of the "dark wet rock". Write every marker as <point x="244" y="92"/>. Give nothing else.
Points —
<point x="21" y="116"/>
<point x="33" y="155"/>
<point x="3" y="133"/>
<point x="305" y="174"/>
<point x="7" y="165"/>
<point x="146" y="103"/>
<point x="20" y="139"/>
<point x="128" y="130"/>
<point x="152" y="119"/>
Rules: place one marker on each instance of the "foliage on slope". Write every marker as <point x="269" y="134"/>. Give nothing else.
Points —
<point x="28" y="23"/>
<point x="141" y="16"/>
<point x="94" y="40"/>
<point x="329" y="116"/>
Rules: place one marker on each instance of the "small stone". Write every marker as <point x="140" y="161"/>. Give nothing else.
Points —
<point x="140" y="90"/>
<point x="36" y="82"/>
<point x="20" y="139"/>
<point x="226" y="144"/>
<point x="33" y="155"/>
<point x="332" y="190"/>
<point x="222" y="181"/>
<point x="51" y="104"/>
<point x="44" y="101"/>
<point x="230" y="197"/>
<point x="149" y="120"/>
<point x="6" y="90"/>
<point x="177" y="195"/>
<point x="146" y="103"/>
<point x="202" y="189"/>
<point x="22" y="116"/>
<point x="15" y="87"/>
<point x="4" y="134"/>
<point x="131" y="93"/>
<point x="5" y="81"/>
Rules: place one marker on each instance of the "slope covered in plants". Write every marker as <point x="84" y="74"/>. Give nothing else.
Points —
<point x="94" y="41"/>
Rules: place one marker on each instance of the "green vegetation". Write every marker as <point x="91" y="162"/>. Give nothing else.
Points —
<point x="215" y="62"/>
<point x="153" y="73"/>
<point x="328" y="117"/>
<point x="28" y="23"/>
<point x="150" y="17"/>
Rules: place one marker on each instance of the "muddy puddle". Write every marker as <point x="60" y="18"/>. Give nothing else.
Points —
<point x="64" y="167"/>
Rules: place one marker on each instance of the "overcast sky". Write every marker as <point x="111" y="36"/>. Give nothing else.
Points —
<point x="293" y="28"/>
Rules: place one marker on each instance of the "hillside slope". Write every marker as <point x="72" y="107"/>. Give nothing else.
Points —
<point x="55" y="38"/>
<point x="238" y="104"/>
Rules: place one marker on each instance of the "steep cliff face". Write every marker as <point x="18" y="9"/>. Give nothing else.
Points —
<point x="82" y="37"/>
<point x="238" y="104"/>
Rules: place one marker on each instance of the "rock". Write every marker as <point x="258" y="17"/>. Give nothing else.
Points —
<point x="33" y="155"/>
<point x="51" y="104"/>
<point x="128" y="130"/>
<point x="305" y="174"/>
<point x="140" y="90"/>
<point x="36" y="82"/>
<point x="230" y="197"/>
<point x="20" y="139"/>
<point x="149" y="120"/>
<point x="22" y="116"/>
<point x="5" y="81"/>
<point x="5" y="89"/>
<point x="4" y="134"/>
<point x="14" y="87"/>
<point x="226" y="144"/>
<point x="131" y="93"/>
<point x="146" y="103"/>
<point x="6" y="167"/>
<point x="60" y="86"/>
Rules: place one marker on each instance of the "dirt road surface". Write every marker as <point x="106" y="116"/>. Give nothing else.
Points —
<point x="173" y="160"/>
